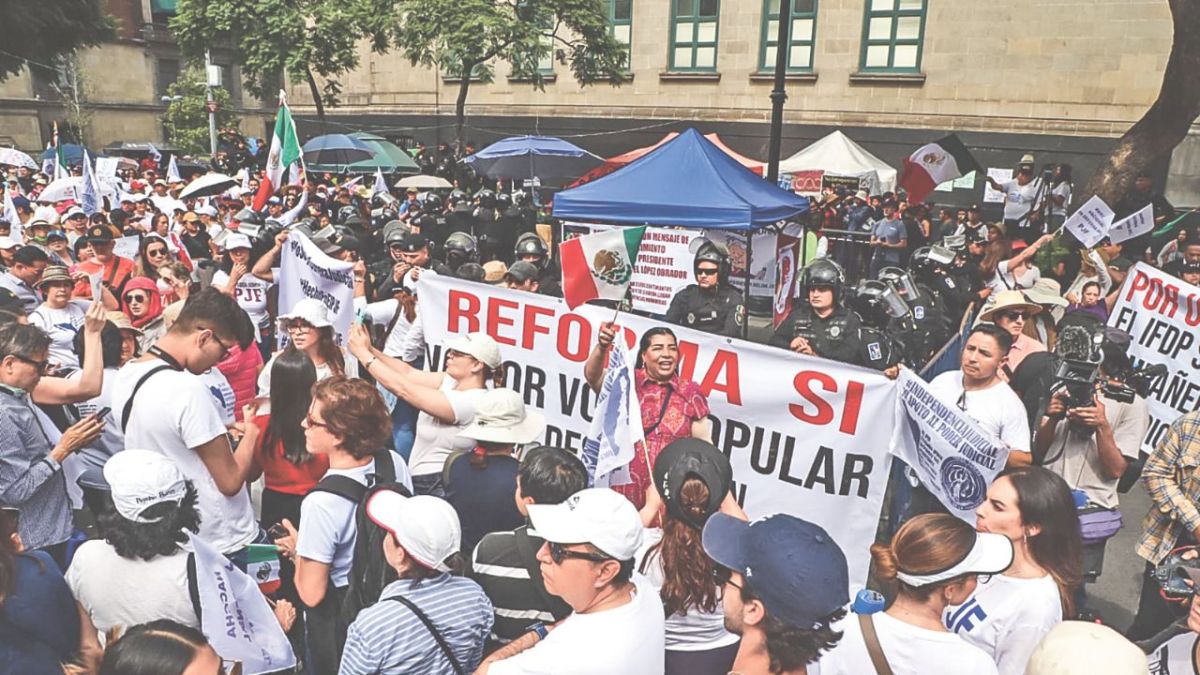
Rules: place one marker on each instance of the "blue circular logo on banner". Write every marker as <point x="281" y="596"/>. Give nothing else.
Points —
<point x="962" y="483"/>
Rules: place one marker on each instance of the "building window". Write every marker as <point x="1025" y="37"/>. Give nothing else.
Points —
<point x="545" y="61"/>
<point x="165" y="74"/>
<point x="800" y="39"/>
<point x="893" y="31"/>
<point x="620" y="26"/>
<point x="694" y="35"/>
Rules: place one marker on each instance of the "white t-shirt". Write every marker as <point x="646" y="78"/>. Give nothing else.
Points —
<point x="695" y="629"/>
<point x="174" y="412"/>
<point x="222" y="393"/>
<point x="625" y="639"/>
<point x="1063" y="190"/>
<point x="1002" y="280"/>
<point x="1007" y="618"/>
<point x="1018" y="199"/>
<point x="61" y="325"/>
<point x="381" y="314"/>
<point x="123" y="592"/>
<point x="996" y="409"/>
<point x="251" y="294"/>
<point x="1079" y="460"/>
<point x="435" y="440"/>
<point x="112" y="439"/>
<point x="910" y="650"/>
<point x="1174" y="657"/>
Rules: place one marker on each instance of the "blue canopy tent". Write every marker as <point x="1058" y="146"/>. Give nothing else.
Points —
<point x="688" y="182"/>
<point x="552" y="160"/>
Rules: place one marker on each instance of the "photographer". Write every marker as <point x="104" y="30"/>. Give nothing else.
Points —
<point x="1091" y="445"/>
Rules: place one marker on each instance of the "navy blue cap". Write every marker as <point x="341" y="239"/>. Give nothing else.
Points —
<point x="794" y="566"/>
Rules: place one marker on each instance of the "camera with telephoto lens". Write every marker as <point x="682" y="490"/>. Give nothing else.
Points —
<point x="1082" y="353"/>
<point x="1177" y="572"/>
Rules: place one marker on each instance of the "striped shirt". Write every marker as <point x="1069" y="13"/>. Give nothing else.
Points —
<point x="388" y="638"/>
<point x="499" y="568"/>
<point x="1172" y="477"/>
<point x="29" y="479"/>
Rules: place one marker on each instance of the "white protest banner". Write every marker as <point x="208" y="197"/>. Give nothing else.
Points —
<point x="663" y="266"/>
<point x="106" y="167"/>
<point x="953" y="457"/>
<point x="306" y="272"/>
<point x="127" y="247"/>
<point x="235" y="616"/>
<point x="1162" y="314"/>
<point x="1133" y="225"/>
<point x="1001" y="176"/>
<point x="803" y="434"/>
<point x="1090" y="223"/>
<point x="616" y="425"/>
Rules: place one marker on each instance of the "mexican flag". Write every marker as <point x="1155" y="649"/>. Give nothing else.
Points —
<point x="600" y="265"/>
<point x="285" y="150"/>
<point x="262" y="564"/>
<point x="933" y="164"/>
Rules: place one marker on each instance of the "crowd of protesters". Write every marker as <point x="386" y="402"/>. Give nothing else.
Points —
<point x="422" y="527"/>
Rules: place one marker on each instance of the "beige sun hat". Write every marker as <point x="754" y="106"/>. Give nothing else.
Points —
<point x="1007" y="300"/>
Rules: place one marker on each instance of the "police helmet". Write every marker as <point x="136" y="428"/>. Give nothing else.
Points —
<point x="708" y="250"/>
<point x="877" y="303"/>
<point x="248" y="216"/>
<point x="531" y="244"/>
<point x="899" y="280"/>
<point x="432" y="203"/>
<point x="457" y="198"/>
<point x="823" y="272"/>
<point x="345" y="212"/>
<point x="460" y="248"/>
<point x="487" y="198"/>
<point x="928" y="261"/>
<point x="503" y="201"/>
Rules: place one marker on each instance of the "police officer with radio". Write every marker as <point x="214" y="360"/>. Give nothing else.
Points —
<point x="929" y="266"/>
<point x="531" y="249"/>
<point x="711" y="304"/>
<point x="927" y="326"/>
<point x="878" y="304"/>
<point x="822" y="326"/>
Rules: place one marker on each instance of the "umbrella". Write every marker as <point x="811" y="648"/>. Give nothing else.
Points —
<point x="425" y="183"/>
<point x="208" y="185"/>
<point x="550" y="159"/>
<point x="61" y="190"/>
<point x="336" y="149"/>
<point x="389" y="158"/>
<point x="72" y="153"/>
<point x="14" y="157"/>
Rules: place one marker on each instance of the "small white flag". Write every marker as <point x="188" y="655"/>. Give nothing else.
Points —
<point x="380" y="186"/>
<point x="173" y="172"/>
<point x="153" y="153"/>
<point x="1133" y="225"/>
<point x="616" y="424"/>
<point x="14" y="220"/>
<point x="1091" y="222"/>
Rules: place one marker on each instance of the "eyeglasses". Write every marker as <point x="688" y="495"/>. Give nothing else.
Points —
<point x="43" y="366"/>
<point x="156" y="252"/>
<point x="559" y="553"/>
<point x="1014" y="316"/>
<point x="297" y="327"/>
<point x="224" y="347"/>
<point x="308" y="419"/>
<point x="137" y="297"/>
<point x="723" y="575"/>
<point x="706" y="272"/>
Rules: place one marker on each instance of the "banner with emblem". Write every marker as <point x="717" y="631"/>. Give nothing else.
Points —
<point x="954" y="459"/>
<point x="787" y="268"/>
<point x="663" y="266"/>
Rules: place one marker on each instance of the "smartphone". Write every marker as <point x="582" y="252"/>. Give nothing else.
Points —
<point x="102" y="413"/>
<point x="277" y="531"/>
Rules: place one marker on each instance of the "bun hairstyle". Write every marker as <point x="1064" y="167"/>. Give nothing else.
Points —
<point x="926" y="544"/>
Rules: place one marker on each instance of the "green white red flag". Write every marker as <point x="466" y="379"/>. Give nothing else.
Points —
<point x="599" y="266"/>
<point x="933" y="164"/>
<point x="285" y="151"/>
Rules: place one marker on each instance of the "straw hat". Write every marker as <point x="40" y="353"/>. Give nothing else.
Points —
<point x="121" y="321"/>
<point x="1009" y="300"/>
<point x="54" y="273"/>
<point x="1046" y="291"/>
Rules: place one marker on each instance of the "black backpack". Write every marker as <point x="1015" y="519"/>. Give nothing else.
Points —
<point x="369" y="571"/>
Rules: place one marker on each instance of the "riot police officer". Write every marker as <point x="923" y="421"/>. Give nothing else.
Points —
<point x="458" y="216"/>
<point x="822" y="325"/>
<point x="878" y="304"/>
<point x="929" y="266"/>
<point x="927" y="326"/>
<point x="711" y="304"/>
<point x="460" y="248"/>
<point x="406" y="250"/>
<point x="532" y="249"/>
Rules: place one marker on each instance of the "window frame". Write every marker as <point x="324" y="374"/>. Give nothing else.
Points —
<point x="695" y="19"/>
<point x="895" y="14"/>
<point x="613" y="22"/>
<point x="770" y="36"/>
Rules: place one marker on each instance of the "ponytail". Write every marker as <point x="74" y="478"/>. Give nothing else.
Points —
<point x="496" y="375"/>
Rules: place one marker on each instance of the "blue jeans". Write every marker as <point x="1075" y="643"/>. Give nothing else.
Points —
<point x="404" y="422"/>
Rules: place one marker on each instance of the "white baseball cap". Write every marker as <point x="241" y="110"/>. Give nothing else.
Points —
<point x="502" y="417"/>
<point x="139" y="479"/>
<point x="310" y="310"/>
<point x="481" y="346"/>
<point x="425" y="526"/>
<point x="208" y="210"/>
<point x="596" y="516"/>
<point x="7" y="242"/>
<point x="235" y="240"/>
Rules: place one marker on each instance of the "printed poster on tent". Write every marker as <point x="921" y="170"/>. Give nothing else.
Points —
<point x="663" y="267"/>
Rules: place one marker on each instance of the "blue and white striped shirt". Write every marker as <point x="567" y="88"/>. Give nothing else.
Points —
<point x="388" y="638"/>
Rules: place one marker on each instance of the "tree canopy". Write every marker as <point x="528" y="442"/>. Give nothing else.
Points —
<point x="186" y="119"/>
<point x="41" y="32"/>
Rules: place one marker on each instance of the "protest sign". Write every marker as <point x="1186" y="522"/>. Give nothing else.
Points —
<point x="802" y="433"/>
<point x="616" y="425"/>
<point x="235" y="616"/>
<point x="127" y="247"/>
<point x="1001" y="176"/>
<point x="955" y="459"/>
<point x="1090" y="223"/>
<point x="807" y="182"/>
<point x="1133" y="225"/>
<point x="106" y="167"/>
<point x="1162" y="314"/>
<point x="663" y="266"/>
<point x="760" y="260"/>
<point x="306" y="272"/>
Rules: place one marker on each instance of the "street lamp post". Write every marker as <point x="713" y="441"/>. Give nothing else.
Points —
<point x="778" y="94"/>
<point x="210" y="103"/>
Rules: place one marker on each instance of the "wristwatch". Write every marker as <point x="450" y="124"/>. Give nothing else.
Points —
<point x="540" y="629"/>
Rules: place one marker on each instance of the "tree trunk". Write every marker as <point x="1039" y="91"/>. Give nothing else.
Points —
<point x="460" y="107"/>
<point x="316" y="95"/>
<point x="1167" y="121"/>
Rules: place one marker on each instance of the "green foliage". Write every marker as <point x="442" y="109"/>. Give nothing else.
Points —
<point x="271" y="37"/>
<point x="45" y="30"/>
<point x="186" y="120"/>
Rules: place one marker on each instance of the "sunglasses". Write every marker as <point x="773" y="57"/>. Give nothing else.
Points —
<point x="42" y="366"/>
<point x="137" y="297"/>
<point x="156" y="252"/>
<point x="1013" y="316"/>
<point x="559" y="553"/>
<point x="706" y="272"/>
<point x="723" y="575"/>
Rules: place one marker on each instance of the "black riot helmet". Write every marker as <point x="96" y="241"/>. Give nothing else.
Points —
<point x="928" y="262"/>
<point x="487" y="198"/>
<point x="460" y="248"/>
<point x="432" y="203"/>
<point x="344" y="213"/>
<point x="707" y="250"/>
<point x="824" y="272"/>
<point x="877" y="303"/>
<point x="899" y="280"/>
<point x="503" y="201"/>
<point x="531" y="244"/>
<point x="457" y="198"/>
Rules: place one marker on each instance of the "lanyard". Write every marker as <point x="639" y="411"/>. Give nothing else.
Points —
<point x="165" y="357"/>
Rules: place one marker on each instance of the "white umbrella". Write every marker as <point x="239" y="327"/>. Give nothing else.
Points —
<point x="14" y="157"/>
<point x="423" y="182"/>
<point x="208" y="185"/>
<point x="61" y="190"/>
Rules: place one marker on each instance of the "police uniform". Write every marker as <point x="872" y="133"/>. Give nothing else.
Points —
<point x="549" y="281"/>
<point x="837" y="336"/>
<point x="380" y="283"/>
<point x="926" y="328"/>
<point x="954" y="294"/>
<point x="880" y="350"/>
<point x="719" y="311"/>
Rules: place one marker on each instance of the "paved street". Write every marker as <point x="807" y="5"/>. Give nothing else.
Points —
<point x="1115" y="595"/>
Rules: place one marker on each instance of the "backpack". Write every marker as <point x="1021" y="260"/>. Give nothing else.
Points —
<point x="369" y="571"/>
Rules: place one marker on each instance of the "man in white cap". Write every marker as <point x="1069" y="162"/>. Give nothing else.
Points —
<point x="588" y="561"/>
<point x="1021" y="194"/>
<point x="397" y="634"/>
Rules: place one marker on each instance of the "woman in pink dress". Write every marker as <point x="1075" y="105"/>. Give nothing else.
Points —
<point x="672" y="407"/>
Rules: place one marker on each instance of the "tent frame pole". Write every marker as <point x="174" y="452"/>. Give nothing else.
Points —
<point x="746" y="289"/>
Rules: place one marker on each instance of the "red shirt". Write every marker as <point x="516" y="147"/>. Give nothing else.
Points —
<point x="281" y="475"/>
<point x="114" y="275"/>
